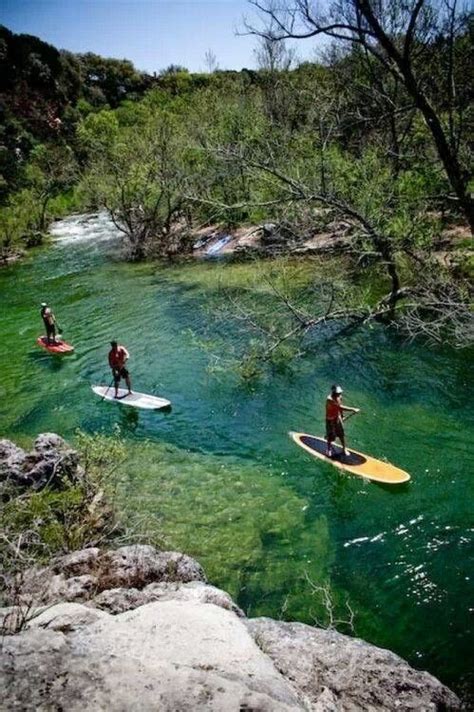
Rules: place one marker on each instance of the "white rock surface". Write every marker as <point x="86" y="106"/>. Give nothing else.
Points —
<point x="166" y="656"/>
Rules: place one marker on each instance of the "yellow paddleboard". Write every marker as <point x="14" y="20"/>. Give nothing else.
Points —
<point x="356" y="462"/>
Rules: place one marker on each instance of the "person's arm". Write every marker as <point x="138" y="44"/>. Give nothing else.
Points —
<point x="349" y="409"/>
<point x="126" y="355"/>
<point x="110" y="362"/>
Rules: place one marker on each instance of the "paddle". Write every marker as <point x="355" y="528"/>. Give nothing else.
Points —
<point x="59" y="331"/>
<point x="346" y="417"/>
<point x="108" y="388"/>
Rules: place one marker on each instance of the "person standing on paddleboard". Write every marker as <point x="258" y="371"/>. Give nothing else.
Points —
<point x="334" y="417"/>
<point x="118" y="356"/>
<point x="49" y="321"/>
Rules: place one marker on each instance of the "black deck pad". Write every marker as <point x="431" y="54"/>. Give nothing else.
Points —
<point x="320" y="446"/>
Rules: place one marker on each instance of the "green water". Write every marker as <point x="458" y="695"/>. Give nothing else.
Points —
<point x="218" y="476"/>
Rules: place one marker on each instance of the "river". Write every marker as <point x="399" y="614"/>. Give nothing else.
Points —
<point x="218" y="476"/>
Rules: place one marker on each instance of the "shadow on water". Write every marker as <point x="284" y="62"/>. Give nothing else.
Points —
<point x="129" y="420"/>
<point x="51" y="362"/>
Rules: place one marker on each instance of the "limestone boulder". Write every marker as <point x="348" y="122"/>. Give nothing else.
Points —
<point x="119" y="600"/>
<point x="82" y="575"/>
<point x="12" y="459"/>
<point x="166" y="656"/>
<point x="50" y="461"/>
<point x="336" y="673"/>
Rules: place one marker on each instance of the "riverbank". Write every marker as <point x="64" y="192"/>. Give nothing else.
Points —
<point x="454" y="247"/>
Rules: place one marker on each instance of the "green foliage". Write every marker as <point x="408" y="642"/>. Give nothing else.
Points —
<point x="109" y="81"/>
<point x="101" y="454"/>
<point x="98" y="133"/>
<point x="165" y="153"/>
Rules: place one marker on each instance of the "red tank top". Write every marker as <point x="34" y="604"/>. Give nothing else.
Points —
<point x="333" y="409"/>
<point x="117" y="357"/>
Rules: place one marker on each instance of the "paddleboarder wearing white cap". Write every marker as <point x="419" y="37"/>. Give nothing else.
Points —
<point x="334" y="419"/>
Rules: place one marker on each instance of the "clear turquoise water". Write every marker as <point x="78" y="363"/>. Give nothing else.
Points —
<point x="218" y="475"/>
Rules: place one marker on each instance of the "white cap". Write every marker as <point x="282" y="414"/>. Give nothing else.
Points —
<point x="337" y="389"/>
<point x="44" y="304"/>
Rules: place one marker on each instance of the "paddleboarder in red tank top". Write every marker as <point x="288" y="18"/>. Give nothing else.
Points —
<point x="118" y="356"/>
<point x="334" y="417"/>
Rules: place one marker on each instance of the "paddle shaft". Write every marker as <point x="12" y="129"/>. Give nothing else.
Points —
<point x="346" y="417"/>
<point x="108" y="388"/>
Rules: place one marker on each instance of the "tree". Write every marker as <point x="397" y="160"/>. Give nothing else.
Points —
<point x="210" y="60"/>
<point x="274" y="56"/>
<point x="36" y="85"/>
<point x="109" y="81"/>
<point x="400" y="36"/>
<point x="387" y="226"/>
<point x="138" y="177"/>
<point x="52" y="170"/>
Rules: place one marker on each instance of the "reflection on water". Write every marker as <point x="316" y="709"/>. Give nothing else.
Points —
<point x="219" y="477"/>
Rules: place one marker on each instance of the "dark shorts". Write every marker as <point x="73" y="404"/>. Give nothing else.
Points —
<point x="50" y="329"/>
<point x="334" y="429"/>
<point x="120" y="373"/>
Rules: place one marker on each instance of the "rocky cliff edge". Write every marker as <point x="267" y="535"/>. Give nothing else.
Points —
<point x="138" y="629"/>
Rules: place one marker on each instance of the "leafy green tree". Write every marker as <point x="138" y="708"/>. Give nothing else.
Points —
<point x="98" y="132"/>
<point x="110" y="81"/>
<point x="401" y="37"/>
<point x="139" y="178"/>
<point x="51" y="170"/>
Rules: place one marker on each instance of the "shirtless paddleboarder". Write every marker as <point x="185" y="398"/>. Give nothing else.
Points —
<point x="334" y="417"/>
<point x="118" y="356"/>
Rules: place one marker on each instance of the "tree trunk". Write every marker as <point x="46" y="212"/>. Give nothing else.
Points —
<point x="42" y="221"/>
<point x="448" y="157"/>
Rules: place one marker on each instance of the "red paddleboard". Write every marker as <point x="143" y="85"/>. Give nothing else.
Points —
<point x="60" y="347"/>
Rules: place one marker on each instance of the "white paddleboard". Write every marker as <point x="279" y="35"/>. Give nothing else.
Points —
<point x="137" y="400"/>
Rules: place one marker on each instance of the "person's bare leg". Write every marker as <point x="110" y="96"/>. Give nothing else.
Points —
<point x="329" y="447"/>
<point x="129" y="385"/>
<point x="116" y="385"/>
<point x="345" y="451"/>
